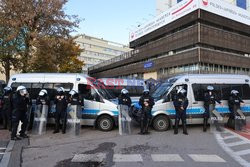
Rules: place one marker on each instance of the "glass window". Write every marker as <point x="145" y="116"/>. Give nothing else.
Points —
<point x="36" y="87"/>
<point x="51" y="91"/>
<point x="14" y="86"/>
<point x="88" y="92"/>
<point x="246" y="91"/>
<point x="225" y="91"/>
<point x="238" y="88"/>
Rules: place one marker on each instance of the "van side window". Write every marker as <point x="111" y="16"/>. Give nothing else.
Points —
<point x="67" y="86"/>
<point x="35" y="89"/>
<point x="246" y="91"/>
<point x="51" y="91"/>
<point x="14" y="86"/>
<point x="88" y="92"/>
<point x="225" y="91"/>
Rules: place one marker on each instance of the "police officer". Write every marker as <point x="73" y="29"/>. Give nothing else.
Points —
<point x="181" y="104"/>
<point x="61" y="110"/>
<point x="19" y="113"/>
<point x="210" y="98"/>
<point x="7" y="107"/>
<point x="74" y="98"/>
<point x="234" y="103"/>
<point x="43" y="98"/>
<point x="147" y="102"/>
<point x="124" y="98"/>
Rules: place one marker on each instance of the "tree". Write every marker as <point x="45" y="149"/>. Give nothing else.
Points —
<point x="31" y="22"/>
<point x="56" y="55"/>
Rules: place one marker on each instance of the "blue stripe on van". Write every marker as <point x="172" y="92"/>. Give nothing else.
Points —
<point x="95" y="112"/>
<point x="200" y="110"/>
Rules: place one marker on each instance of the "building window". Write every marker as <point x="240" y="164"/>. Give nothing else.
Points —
<point x="242" y="4"/>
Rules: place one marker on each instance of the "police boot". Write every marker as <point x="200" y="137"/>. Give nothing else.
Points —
<point x="146" y="128"/>
<point x="205" y="125"/>
<point x="56" y="129"/>
<point x="142" y="128"/>
<point x="176" y="127"/>
<point x="185" y="129"/>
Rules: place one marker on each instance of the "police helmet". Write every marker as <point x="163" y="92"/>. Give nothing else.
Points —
<point x="234" y="92"/>
<point x="72" y="92"/>
<point x="22" y="90"/>
<point x="210" y="88"/>
<point x="43" y="92"/>
<point x="60" y="90"/>
<point x="7" y="89"/>
<point x="181" y="91"/>
<point x="124" y="91"/>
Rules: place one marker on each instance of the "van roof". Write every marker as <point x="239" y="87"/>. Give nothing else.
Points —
<point x="212" y="78"/>
<point x="48" y="77"/>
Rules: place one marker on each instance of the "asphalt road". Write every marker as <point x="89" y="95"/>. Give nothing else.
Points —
<point x="96" y="148"/>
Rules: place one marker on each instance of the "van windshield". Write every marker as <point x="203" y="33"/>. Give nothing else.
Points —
<point x="161" y="90"/>
<point x="100" y="87"/>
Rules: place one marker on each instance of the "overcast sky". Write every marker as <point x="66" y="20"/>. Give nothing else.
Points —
<point x="111" y="19"/>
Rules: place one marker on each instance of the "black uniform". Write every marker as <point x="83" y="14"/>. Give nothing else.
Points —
<point x="7" y="110"/>
<point x="76" y="100"/>
<point x="124" y="99"/>
<point x="19" y="113"/>
<point x="209" y="100"/>
<point x="234" y="105"/>
<point x="61" y="112"/>
<point x="146" y="112"/>
<point x="180" y="104"/>
<point x="43" y="100"/>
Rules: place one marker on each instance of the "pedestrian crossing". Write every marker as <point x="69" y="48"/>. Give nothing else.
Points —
<point x="2" y="150"/>
<point x="229" y="140"/>
<point x="121" y="158"/>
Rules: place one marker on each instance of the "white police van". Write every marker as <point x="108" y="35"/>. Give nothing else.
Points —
<point x="163" y="111"/>
<point x="98" y="110"/>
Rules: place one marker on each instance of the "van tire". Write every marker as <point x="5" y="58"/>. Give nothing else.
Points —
<point x="105" y="123"/>
<point x="161" y="123"/>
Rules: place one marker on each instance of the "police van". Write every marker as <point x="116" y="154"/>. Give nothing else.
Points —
<point x="98" y="110"/>
<point x="163" y="111"/>
<point x="135" y="87"/>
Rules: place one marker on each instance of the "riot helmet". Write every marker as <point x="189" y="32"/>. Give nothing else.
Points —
<point x="22" y="90"/>
<point x="7" y="89"/>
<point x="124" y="91"/>
<point x="60" y="90"/>
<point x="43" y="92"/>
<point x="234" y="92"/>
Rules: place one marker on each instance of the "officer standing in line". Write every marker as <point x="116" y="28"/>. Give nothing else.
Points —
<point x="209" y="99"/>
<point x="43" y="98"/>
<point x="234" y="103"/>
<point x="124" y="98"/>
<point x="147" y="102"/>
<point x="20" y="106"/>
<point x="7" y="108"/>
<point x="181" y="104"/>
<point x="61" y="110"/>
<point x="75" y="99"/>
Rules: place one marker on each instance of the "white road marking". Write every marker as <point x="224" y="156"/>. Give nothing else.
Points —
<point x="229" y="137"/>
<point x="243" y="152"/>
<point x="237" y="143"/>
<point x="2" y="148"/>
<point x="2" y="153"/>
<point x="227" y="149"/>
<point x="166" y="158"/>
<point x="6" y="155"/>
<point x="89" y="157"/>
<point x="127" y="158"/>
<point x="206" y="158"/>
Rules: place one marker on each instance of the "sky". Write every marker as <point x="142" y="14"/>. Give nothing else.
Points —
<point x="110" y="19"/>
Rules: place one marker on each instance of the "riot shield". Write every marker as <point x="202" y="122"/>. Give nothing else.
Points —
<point x="124" y="120"/>
<point x="74" y="119"/>
<point x="239" y="119"/>
<point x="40" y="119"/>
<point x="216" y="120"/>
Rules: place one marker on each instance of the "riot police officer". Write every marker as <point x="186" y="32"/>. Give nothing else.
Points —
<point x="7" y="107"/>
<point x="181" y="104"/>
<point x="75" y="99"/>
<point x="124" y="98"/>
<point x="19" y="113"/>
<point x="234" y="103"/>
<point x="43" y="98"/>
<point x="147" y="102"/>
<point x="210" y="98"/>
<point x="61" y="110"/>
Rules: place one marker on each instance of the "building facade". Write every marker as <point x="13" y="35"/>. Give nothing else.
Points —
<point x="163" y="5"/>
<point x="96" y="50"/>
<point x="194" y="36"/>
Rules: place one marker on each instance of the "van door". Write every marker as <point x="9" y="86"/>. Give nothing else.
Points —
<point x="91" y="103"/>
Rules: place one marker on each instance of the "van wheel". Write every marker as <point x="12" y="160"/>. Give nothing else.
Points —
<point x="105" y="123"/>
<point x="161" y="123"/>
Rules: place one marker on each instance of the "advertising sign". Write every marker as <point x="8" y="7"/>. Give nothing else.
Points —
<point x="185" y="7"/>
